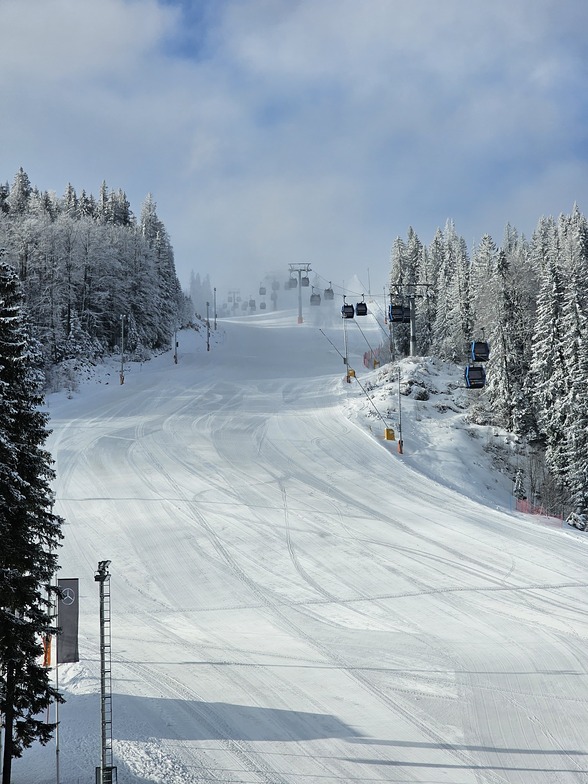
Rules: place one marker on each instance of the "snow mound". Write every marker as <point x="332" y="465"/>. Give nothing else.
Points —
<point x="425" y="402"/>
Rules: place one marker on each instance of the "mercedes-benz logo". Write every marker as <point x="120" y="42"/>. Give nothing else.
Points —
<point x="68" y="596"/>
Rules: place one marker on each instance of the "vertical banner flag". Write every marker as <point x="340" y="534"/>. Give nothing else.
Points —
<point x="67" y="620"/>
<point x="47" y="651"/>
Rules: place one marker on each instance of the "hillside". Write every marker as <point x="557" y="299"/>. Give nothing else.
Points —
<point x="292" y="599"/>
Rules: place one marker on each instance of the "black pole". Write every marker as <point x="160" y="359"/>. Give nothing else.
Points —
<point x="300" y="296"/>
<point x="413" y="340"/>
<point x="8" y="724"/>
<point x="207" y="328"/>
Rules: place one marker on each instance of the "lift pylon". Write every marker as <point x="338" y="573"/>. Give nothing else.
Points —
<point x="302" y="281"/>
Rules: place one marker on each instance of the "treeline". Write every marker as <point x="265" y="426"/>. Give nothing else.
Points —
<point x="529" y="299"/>
<point x="84" y="262"/>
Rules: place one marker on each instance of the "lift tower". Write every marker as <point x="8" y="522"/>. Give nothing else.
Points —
<point x="303" y="280"/>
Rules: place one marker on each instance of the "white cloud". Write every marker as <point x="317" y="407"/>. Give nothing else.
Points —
<point x="51" y="40"/>
<point x="318" y="128"/>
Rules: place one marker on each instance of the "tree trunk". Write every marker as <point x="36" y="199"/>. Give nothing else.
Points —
<point x="8" y="724"/>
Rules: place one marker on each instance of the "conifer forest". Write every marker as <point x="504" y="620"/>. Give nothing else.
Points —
<point x="528" y="297"/>
<point x="84" y="262"/>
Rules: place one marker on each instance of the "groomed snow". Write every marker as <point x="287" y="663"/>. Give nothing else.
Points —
<point x="293" y="602"/>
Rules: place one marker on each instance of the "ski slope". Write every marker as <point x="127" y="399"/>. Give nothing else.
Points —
<point x="292" y="601"/>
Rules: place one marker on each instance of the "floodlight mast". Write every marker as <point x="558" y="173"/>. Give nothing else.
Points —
<point x="106" y="773"/>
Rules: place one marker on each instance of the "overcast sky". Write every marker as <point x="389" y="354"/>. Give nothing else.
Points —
<point x="314" y="131"/>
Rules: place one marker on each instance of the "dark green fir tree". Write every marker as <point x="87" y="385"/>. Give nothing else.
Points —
<point x="29" y="532"/>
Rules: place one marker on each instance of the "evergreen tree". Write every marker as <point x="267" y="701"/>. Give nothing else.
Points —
<point x="414" y="257"/>
<point x="453" y="322"/>
<point x="484" y="261"/>
<point x="500" y="365"/>
<point x="399" y="277"/>
<point x="119" y="209"/>
<point x="433" y="269"/>
<point x="102" y="210"/>
<point x="548" y="365"/>
<point x="510" y="334"/>
<point x="426" y="306"/>
<point x="29" y="532"/>
<point x="157" y="237"/>
<point x="86" y="205"/>
<point x="20" y="193"/>
<point x="70" y="201"/>
<point x="576" y="447"/>
<point x="572" y="465"/>
<point x="84" y="263"/>
<point x="4" y="194"/>
<point x="149" y="222"/>
<point x="524" y="285"/>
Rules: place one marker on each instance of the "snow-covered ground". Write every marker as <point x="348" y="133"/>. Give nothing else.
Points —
<point x="293" y="600"/>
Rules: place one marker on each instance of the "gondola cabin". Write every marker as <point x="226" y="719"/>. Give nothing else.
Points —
<point x="262" y="291"/>
<point x="305" y="280"/>
<point x="315" y="298"/>
<point x="475" y="376"/>
<point x="361" y="309"/>
<point x="329" y="293"/>
<point x="480" y="351"/>
<point x="252" y="304"/>
<point x="399" y="314"/>
<point x="348" y="311"/>
<point x="262" y="305"/>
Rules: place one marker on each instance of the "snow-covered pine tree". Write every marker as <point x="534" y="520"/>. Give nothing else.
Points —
<point x="453" y="320"/>
<point x="169" y="289"/>
<point x="70" y="201"/>
<point x="102" y="203"/>
<point x="548" y="367"/>
<point x="484" y="260"/>
<point x="86" y="205"/>
<point x="433" y="270"/>
<point x="525" y="287"/>
<point x="414" y="258"/>
<point x="399" y="275"/>
<point x="510" y="332"/>
<point x="499" y="380"/>
<point x="29" y="532"/>
<point x="20" y="193"/>
<point x="573" y="464"/>
<point x="576" y="441"/>
<point x="426" y="305"/>
<point x="4" y="194"/>
<point x="519" y="491"/>
<point x="119" y="209"/>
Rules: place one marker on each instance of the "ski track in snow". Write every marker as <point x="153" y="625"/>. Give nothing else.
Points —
<point x="293" y="601"/>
